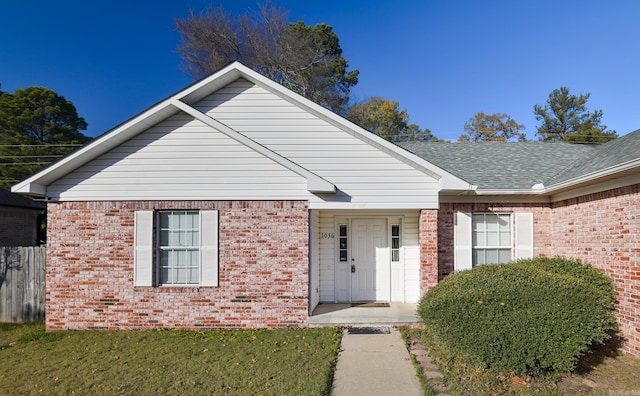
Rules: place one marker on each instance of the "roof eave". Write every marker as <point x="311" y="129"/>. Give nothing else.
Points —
<point x="594" y="176"/>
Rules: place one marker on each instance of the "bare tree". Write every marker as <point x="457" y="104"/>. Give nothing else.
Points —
<point x="306" y="59"/>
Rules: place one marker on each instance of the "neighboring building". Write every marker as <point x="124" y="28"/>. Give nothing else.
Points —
<point x="238" y="203"/>
<point x="20" y="220"/>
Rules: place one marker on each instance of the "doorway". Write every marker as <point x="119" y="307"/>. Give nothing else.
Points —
<point x="370" y="272"/>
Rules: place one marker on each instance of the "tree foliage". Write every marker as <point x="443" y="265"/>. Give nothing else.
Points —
<point x="384" y="118"/>
<point x="36" y="126"/>
<point x="492" y="128"/>
<point x="306" y="59"/>
<point x="565" y="118"/>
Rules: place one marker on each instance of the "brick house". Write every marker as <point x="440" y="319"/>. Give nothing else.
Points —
<point x="20" y="220"/>
<point x="238" y="203"/>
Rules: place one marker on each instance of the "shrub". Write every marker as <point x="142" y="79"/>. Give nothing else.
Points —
<point x="531" y="317"/>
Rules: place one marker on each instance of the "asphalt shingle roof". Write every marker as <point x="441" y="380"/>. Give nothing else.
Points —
<point x="616" y="152"/>
<point x="514" y="166"/>
<point x="7" y="198"/>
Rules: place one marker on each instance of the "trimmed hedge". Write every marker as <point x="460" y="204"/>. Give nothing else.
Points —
<point x="531" y="317"/>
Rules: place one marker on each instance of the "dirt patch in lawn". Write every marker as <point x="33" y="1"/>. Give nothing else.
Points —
<point x="604" y="371"/>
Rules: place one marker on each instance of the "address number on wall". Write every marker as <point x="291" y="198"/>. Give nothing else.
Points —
<point x="327" y="235"/>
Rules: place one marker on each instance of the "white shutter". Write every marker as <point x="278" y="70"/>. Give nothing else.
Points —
<point x="524" y="236"/>
<point x="209" y="248"/>
<point x="143" y="251"/>
<point x="462" y="241"/>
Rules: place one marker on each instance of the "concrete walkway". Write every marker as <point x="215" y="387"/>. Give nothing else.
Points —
<point x="374" y="364"/>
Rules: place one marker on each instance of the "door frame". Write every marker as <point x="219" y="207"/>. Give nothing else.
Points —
<point x="399" y="268"/>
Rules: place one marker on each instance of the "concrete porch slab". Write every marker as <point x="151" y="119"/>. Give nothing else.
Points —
<point x="345" y="314"/>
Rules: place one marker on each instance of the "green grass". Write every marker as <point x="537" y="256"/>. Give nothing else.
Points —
<point x="170" y="362"/>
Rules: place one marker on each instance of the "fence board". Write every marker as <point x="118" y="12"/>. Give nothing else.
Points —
<point x="22" y="284"/>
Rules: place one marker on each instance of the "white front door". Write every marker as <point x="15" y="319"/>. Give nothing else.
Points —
<point x="369" y="260"/>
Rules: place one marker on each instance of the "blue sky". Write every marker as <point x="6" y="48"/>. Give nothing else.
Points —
<point x="443" y="61"/>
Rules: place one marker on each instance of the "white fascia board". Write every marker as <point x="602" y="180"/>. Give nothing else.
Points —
<point x="315" y="184"/>
<point x="447" y="180"/>
<point x="593" y="176"/>
<point x="37" y="183"/>
<point x="524" y="191"/>
<point x="539" y="189"/>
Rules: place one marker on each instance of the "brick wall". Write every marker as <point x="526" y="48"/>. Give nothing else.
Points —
<point x="604" y="230"/>
<point x="18" y="226"/>
<point x="263" y="269"/>
<point x="428" y="250"/>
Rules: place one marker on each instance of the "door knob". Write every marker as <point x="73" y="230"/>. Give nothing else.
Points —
<point x="353" y="268"/>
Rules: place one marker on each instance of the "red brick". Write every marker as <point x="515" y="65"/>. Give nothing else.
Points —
<point x="86" y="270"/>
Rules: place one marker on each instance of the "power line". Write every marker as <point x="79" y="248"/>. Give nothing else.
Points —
<point x="32" y="156"/>
<point x="41" y="145"/>
<point x="23" y="163"/>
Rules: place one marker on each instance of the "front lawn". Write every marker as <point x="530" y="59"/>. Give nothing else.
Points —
<point x="603" y="371"/>
<point x="233" y="362"/>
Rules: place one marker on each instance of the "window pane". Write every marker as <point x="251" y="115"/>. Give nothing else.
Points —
<point x="395" y="255"/>
<point x="503" y="222"/>
<point x="194" y="276"/>
<point x="343" y="243"/>
<point x="491" y="222"/>
<point x="505" y="239"/>
<point x="164" y="275"/>
<point x="395" y="243"/>
<point x="164" y="220"/>
<point x="505" y="255"/>
<point x="343" y="230"/>
<point x="491" y="256"/>
<point x="478" y="257"/>
<point x="479" y="239"/>
<point x="492" y="239"/>
<point x="395" y="230"/>
<point x="478" y="222"/>
<point x="164" y="258"/>
<point x="343" y="255"/>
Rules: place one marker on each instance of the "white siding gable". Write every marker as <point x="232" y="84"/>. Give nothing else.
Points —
<point x="269" y="120"/>
<point x="180" y="158"/>
<point x="366" y="176"/>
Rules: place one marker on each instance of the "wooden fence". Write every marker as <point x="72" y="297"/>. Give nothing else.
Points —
<point x="22" y="284"/>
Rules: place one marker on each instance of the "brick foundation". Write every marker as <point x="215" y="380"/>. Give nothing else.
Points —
<point x="263" y="269"/>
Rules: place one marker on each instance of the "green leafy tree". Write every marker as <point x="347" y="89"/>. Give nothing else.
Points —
<point x="565" y="118"/>
<point x="37" y="126"/>
<point x="306" y="59"/>
<point x="492" y="128"/>
<point x="384" y="118"/>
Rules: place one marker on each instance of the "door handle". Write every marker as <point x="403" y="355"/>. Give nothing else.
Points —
<point x="353" y="268"/>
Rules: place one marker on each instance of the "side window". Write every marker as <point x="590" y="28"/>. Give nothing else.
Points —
<point x="491" y="238"/>
<point x="343" y="241"/>
<point x="182" y="251"/>
<point x="178" y="248"/>
<point x="395" y="243"/>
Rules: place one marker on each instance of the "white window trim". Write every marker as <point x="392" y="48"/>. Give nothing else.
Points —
<point x="145" y="246"/>
<point x="522" y="237"/>
<point x="509" y="246"/>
